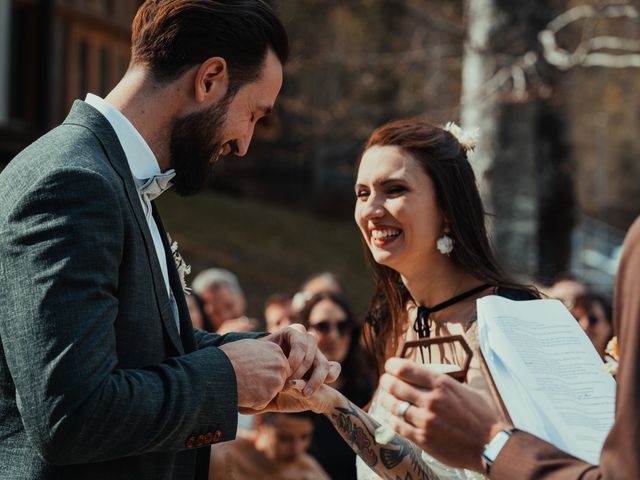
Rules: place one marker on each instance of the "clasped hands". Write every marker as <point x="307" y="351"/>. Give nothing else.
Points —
<point x="283" y="371"/>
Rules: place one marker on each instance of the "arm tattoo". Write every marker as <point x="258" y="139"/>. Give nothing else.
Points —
<point x="399" y="460"/>
<point x="391" y="457"/>
<point x="356" y="435"/>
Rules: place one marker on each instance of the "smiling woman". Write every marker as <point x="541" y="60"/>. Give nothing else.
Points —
<point x="420" y="214"/>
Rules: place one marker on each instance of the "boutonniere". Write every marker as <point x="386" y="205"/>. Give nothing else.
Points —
<point x="183" y="267"/>
<point x="612" y="356"/>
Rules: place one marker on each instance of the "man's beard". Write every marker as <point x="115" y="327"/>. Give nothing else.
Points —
<point x="195" y="141"/>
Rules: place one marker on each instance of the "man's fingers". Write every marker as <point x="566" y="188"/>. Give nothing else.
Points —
<point x="334" y="372"/>
<point x="405" y="429"/>
<point x="307" y="361"/>
<point x="299" y="327"/>
<point x="413" y="415"/>
<point x="318" y="374"/>
<point x="401" y="390"/>
<point x="411" y="372"/>
<point x="298" y="349"/>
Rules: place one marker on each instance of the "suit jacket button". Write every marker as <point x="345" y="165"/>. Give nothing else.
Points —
<point x="208" y="438"/>
<point x="200" y="440"/>
<point x="217" y="436"/>
<point x="191" y="442"/>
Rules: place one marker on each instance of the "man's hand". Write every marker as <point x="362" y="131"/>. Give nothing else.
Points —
<point x="305" y="360"/>
<point x="449" y="420"/>
<point x="261" y="371"/>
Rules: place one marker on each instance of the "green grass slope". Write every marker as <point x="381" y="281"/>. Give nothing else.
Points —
<point x="270" y="248"/>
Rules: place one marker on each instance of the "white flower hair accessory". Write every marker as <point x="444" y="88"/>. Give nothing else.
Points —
<point x="467" y="139"/>
<point x="183" y="268"/>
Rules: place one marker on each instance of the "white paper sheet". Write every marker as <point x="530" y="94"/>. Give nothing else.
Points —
<point x="548" y="373"/>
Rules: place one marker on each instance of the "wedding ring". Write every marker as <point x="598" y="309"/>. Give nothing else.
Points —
<point x="402" y="409"/>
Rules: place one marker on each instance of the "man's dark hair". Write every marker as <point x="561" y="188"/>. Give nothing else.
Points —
<point x="171" y="36"/>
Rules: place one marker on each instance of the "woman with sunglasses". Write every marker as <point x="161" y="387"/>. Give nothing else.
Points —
<point x="421" y="217"/>
<point x="329" y="317"/>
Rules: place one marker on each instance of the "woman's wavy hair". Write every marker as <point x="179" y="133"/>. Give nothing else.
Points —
<point x="445" y="161"/>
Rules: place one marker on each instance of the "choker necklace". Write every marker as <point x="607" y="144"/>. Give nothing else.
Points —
<point x="421" y="323"/>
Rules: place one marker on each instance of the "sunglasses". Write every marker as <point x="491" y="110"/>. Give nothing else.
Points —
<point x="325" y="326"/>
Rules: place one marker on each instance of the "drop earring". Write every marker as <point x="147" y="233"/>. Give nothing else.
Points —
<point x="445" y="243"/>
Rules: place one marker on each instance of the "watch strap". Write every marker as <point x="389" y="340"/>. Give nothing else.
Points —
<point x="493" y="448"/>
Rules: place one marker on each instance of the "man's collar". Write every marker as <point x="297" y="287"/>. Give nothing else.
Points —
<point x="142" y="162"/>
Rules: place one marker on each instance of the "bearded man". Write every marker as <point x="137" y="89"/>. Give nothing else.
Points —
<point x="101" y="374"/>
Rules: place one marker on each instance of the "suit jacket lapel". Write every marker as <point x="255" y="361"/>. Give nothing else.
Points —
<point x="186" y="328"/>
<point x="85" y="115"/>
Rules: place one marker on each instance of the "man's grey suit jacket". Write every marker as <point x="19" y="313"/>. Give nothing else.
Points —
<point x="95" y="380"/>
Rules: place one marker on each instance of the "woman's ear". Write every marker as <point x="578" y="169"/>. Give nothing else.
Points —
<point x="211" y="80"/>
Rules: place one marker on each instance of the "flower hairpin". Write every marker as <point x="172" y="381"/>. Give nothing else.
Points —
<point x="467" y="139"/>
<point x="183" y="267"/>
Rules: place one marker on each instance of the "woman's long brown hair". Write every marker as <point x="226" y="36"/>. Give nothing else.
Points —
<point x="445" y="161"/>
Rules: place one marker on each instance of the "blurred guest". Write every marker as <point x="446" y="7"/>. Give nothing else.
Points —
<point x="277" y="312"/>
<point x="196" y="312"/>
<point x="240" y="324"/>
<point x="319" y="282"/>
<point x="329" y="316"/>
<point x="224" y="302"/>
<point x="322" y="282"/>
<point x="592" y="313"/>
<point x="275" y="450"/>
<point x="567" y="289"/>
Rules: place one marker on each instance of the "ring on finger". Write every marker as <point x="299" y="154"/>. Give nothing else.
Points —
<point x="402" y="409"/>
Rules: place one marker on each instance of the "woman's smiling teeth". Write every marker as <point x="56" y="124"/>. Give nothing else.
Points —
<point x="383" y="236"/>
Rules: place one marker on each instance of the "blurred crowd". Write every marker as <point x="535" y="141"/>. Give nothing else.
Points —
<point x="592" y="310"/>
<point x="282" y="445"/>
<point x="306" y="445"/>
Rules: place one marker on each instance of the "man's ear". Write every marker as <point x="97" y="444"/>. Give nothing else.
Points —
<point x="211" y="80"/>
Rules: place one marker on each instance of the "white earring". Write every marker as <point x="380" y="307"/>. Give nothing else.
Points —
<point x="445" y="244"/>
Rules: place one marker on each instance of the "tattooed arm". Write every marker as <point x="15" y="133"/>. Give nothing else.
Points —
<point x="397" y="460"/>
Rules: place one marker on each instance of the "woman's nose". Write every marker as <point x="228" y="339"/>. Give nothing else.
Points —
<point x="373" y="208"/>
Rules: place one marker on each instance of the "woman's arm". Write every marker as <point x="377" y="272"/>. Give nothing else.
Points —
<point x="397" y="459"/>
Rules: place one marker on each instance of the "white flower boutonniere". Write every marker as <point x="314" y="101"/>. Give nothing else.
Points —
<point x="183" y="267"/>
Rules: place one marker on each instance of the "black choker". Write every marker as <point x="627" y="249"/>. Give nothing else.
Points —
<point x="421" y="323"/>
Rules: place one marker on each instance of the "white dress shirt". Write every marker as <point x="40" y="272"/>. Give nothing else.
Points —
<point x="143" y="165"/>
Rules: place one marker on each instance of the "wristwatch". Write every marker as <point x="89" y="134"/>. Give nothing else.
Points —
<point x="493" y="448"/>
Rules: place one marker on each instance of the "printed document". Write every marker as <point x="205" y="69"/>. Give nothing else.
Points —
<point x="548" y="374"/>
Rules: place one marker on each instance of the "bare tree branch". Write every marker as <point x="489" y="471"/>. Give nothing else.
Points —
<point x="602" y="51"/>
<point x="515" y="73"/>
